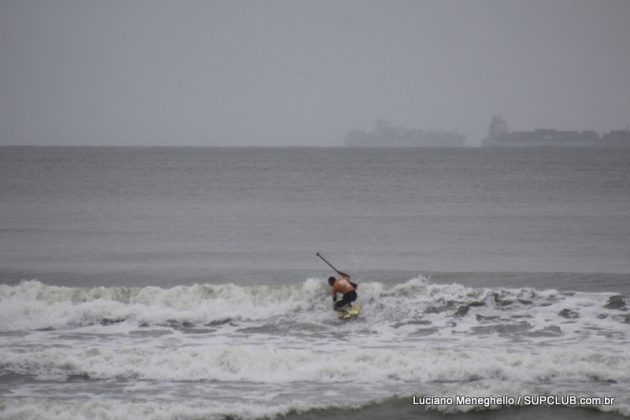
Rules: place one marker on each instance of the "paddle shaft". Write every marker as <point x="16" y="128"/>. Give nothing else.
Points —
<point x="330" y="265"/>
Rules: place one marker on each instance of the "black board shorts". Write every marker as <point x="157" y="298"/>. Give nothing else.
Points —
<point x="347" y="298"/>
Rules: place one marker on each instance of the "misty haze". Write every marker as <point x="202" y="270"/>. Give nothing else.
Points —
<point x="304" y="73"/>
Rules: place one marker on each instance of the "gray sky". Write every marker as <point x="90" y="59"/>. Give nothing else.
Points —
<point x="297" y="72"/>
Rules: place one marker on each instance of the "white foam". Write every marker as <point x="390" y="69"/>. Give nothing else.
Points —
<point x="414" y="337"/>
<point x="450" y="309"/>
<point x="418" y="372"/>
<point x="37" y="409"/>
<point x="324" y="364"/>
<point x="33" y="305"/>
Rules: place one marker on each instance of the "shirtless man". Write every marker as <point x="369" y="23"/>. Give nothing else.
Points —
<point x="344" y="286"/>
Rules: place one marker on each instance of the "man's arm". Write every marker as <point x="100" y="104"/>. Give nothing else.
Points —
<point x="347" y="277"/>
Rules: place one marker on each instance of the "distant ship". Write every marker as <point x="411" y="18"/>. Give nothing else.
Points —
<point x="499" y="136"/>
<point x="387" y="135"/>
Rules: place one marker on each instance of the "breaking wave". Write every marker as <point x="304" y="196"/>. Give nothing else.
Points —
<point x="263" y="351"/>
<point x="32" y="305"/>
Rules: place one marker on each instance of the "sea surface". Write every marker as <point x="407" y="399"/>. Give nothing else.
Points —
<point x="181" y="283"/>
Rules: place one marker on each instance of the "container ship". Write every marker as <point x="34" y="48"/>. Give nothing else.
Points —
<point x="499" y="136"/>
<point x="387" y="135"/>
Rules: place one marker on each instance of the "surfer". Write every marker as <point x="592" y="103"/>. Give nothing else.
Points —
<point x="344" y="286"/>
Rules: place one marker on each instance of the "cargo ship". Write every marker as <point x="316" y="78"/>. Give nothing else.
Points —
<point x="499" y="136"/>
<point x="386" y="134"/>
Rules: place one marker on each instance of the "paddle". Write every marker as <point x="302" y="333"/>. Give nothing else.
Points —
<point x="331" y="266"/>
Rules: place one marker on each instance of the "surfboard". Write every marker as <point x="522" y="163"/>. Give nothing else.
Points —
<point x="351" y="313"/>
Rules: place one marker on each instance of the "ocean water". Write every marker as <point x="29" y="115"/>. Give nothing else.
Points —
<point x="183" y="283"/>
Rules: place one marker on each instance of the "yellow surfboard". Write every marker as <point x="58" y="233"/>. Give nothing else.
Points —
<point x="350" y="313"/>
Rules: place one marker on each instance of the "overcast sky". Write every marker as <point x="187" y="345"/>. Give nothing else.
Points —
<point x="297" y="72"/>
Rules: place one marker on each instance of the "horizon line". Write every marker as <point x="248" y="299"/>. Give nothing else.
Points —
<point x="228" y="147"/>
